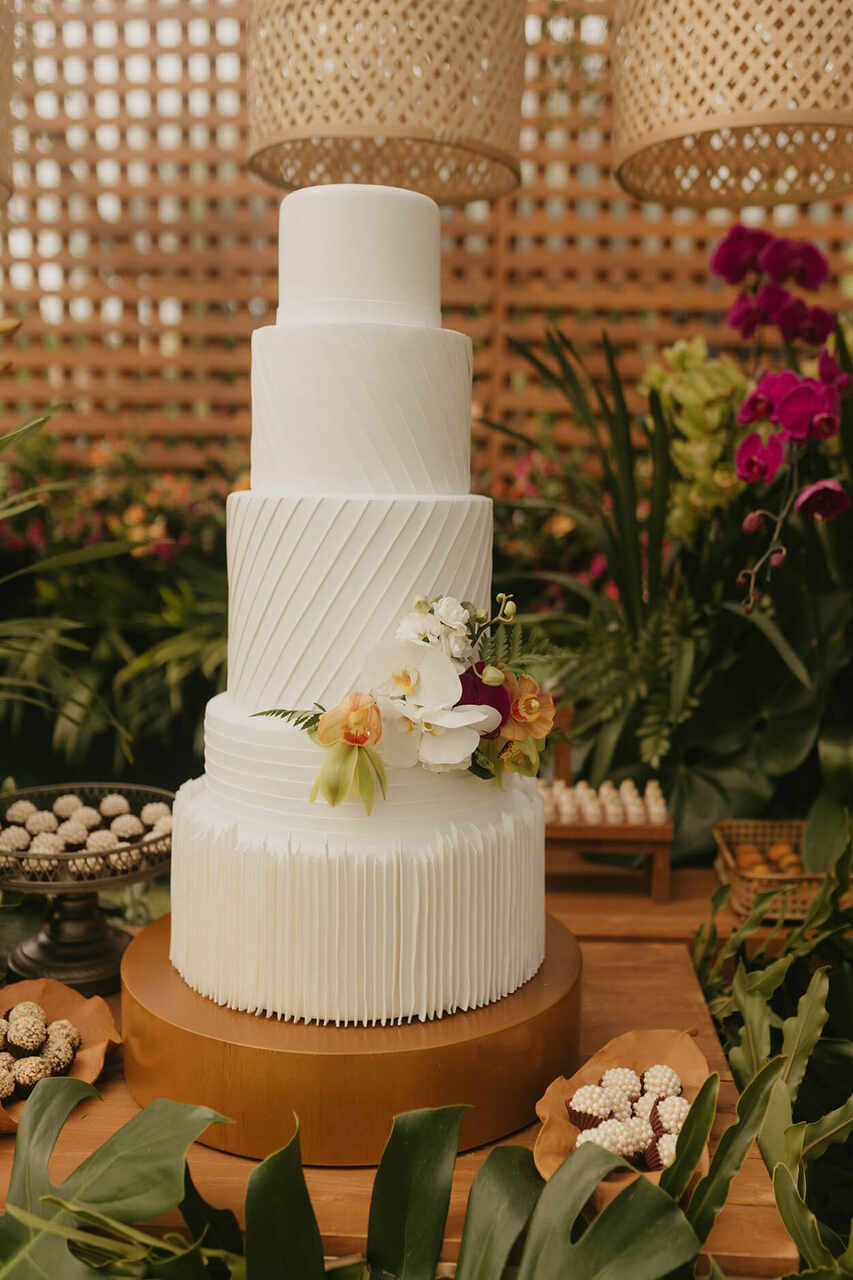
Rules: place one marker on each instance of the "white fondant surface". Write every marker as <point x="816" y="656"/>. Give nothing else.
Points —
<point x="315" y="583"/>
<point x="315" y="926"/>
<point x="360" y="408"/>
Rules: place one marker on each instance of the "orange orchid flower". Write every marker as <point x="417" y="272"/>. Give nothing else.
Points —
<point x="531" y="712"/>
<point x="357" y="721"/>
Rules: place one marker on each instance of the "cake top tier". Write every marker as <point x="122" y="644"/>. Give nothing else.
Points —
<point x="358" y="254"/>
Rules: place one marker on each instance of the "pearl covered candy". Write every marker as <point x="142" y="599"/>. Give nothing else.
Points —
<point x="623" y="1079"/>
<point x="113" y="805"/>
<point x="666" y="1149"/>
<point x="639" y="1133"/>
<point x="588" y="1104"/>
<point x="64" y="806"/>
<point x="672" y="1112"/>
<point x="661" y="1080"/>
<point x="610" y="1135"/>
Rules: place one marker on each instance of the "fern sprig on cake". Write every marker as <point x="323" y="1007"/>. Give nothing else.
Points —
<point x="450" y="692"/>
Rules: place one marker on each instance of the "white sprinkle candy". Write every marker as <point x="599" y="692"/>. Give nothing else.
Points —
<point x="126" y="826"/>
<point x="666" y="1148"/>
<point x="102" y="841"/>
<point x="639" y="1133"/>
<point x="14" y="839"/>
<point x="41" y="820"/>
<point x="114" y="804"/>
<point x="673" y="1112"/>
<point x="620" y="1103"/>
<point x="20" y="810"/>
<point x="661" y="1081"/>
<point x="590" y="1100"/>
<point x="644" y="1104"/>
<point x="64" y="806"/>
<point x="610" y="1135"/>
<point x="153" y="811"/>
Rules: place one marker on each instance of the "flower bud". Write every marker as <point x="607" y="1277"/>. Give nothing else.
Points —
<point x="510" y="609"/>
<point x="778" y="557"/>
<point x="752" y="522"/>
<point x="492" y="676"/>
<point x="742" y="582"/>
<point x="421" y="605"/>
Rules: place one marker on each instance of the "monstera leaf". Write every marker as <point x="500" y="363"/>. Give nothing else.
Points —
<point x="136" y="1175"/>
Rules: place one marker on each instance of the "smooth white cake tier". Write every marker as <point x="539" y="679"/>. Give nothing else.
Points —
<point x="315" y="583"/>
<point x="359" y="252"/>
<point x="360" y="408"/>
<point x="324" y="926"/>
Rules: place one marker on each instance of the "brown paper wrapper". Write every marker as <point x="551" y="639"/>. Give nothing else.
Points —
<point x="91" y="1017"/>
<point x="636" y="1049"/>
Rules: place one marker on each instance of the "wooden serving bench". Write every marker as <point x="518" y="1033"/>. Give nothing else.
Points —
<point x="638" y="983"/>
<point x="567" y="843"/>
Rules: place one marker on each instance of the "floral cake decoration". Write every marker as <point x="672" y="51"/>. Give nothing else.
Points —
<point x="439" y="695"/>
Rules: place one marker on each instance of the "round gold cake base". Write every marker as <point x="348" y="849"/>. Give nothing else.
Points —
<point x="345" y="1083"/>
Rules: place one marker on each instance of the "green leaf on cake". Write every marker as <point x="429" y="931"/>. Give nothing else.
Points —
<point x="411" y="1193"/>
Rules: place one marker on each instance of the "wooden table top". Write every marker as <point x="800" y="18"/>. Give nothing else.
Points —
<point x="626" y="985"/>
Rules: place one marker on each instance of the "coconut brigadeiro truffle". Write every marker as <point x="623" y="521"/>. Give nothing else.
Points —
<point x="58" y="1052"/>
<point x="4" y="1031"/>
<point x="73" y="833"/>
<point x="588" y="1106"/>
<point x="88" y="816"/>
<point x="26" y="1036"/>
<point x="7" y="1085"/>
<point x="26" y="1009"/>
<point x="40" y="821"/>
<point x="7" y="1061"/>
<point x="154" y="811"/>
<point x="163" y="826"/>
<point x="661" y="1080"/>
<point x="101" y="841"/>
<point x="19" y="811"/>
<point x="64" y="1027"/>
<point x="114" y="804"/>
<point x="64" y="806"/>
<point x="126" y="826"/>
<point x="14" y="840"/>
<point x="28" y="1072"/>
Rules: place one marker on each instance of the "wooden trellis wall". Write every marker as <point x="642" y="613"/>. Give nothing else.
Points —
<point x="140" y="253"/>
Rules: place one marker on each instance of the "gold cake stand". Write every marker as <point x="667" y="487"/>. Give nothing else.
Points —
<point x="345" y="1083"/>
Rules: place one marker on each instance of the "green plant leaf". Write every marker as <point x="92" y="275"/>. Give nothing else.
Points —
<point x="114" y="1179"/>
<point x="282" y="1237"/>
<point x="738" y="936"/>
<point x="220" y="1227"/>
<point x="826" y="833"/>
<point x="70" y="559"/>
<point x="753" y="1050"/>
<point x="714" y="1272"/>
<point x="411" y="1193"/>
<point x="801" y="1033"/>
<point x="772" y="1138"/>
<point x="811" y="1140"/>
<point x="549" y="1236"/>
<point x="26" y="429"/>
<point x="800" y="1222"/>
<point x="691" y="1140"/>
<point x="659" y="497"/>
<point x="710" y="1195"/>
<point x="771" y="632"/>
<point x="502" y="1198"/>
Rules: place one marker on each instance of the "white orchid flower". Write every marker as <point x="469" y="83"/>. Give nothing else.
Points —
<point x="439" y="738"/>
<point x="405" y="669"/>
<point x="422" y="628"/>
<point x="451" y="612"/>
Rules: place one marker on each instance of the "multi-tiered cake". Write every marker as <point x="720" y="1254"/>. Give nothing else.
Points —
<point x="359" y="502"/>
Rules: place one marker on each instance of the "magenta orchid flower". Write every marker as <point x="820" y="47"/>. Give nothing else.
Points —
<point x="817" y="326"/>
<point x="800" y="261"/>
<point x="810" y="409"/>
<point x="822" y="500"/>
<point x="756" y="461"/>
<point x="763" y="402"/>
<point x="476" y="693"/>
<point x="745" y="315"/>
<point x="738" y="252"/>
<point x="772" y="299"/>
<point x="791" y="318"/>
<point x="830" y="372"/>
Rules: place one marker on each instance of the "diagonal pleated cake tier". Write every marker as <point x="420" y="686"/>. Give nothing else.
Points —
<point x="359" y="502"/>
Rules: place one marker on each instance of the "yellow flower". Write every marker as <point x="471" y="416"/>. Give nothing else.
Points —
<point x="356" y="721"/>
<point x="531" y="712"/>
<point x="135" y="514"/>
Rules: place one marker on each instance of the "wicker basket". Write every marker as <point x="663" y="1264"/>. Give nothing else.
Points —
<point x="746" y="885"/>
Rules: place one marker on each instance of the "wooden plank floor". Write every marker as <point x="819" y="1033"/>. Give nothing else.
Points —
<point x="627" y="984"/>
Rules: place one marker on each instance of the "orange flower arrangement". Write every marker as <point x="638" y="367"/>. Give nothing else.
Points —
<point x="531" y="711"/>
<point x="356" y="721"/>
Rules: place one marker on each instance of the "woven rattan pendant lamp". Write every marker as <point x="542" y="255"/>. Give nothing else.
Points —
<point x="733" y="102"/>
<point x="423" y="94"/>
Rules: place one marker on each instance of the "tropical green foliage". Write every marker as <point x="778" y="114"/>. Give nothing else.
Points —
<point x="795" y="1008"/>
<point x="515" y="1224"/>
<point x="735" y="710"/>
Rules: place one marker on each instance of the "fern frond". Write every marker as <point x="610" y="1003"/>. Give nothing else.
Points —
<point x="306" y="720"/>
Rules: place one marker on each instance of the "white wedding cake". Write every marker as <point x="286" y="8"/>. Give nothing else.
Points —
<point x="360" y="501"/>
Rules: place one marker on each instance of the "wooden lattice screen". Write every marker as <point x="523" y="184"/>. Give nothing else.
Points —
<point x="141" y="253"/>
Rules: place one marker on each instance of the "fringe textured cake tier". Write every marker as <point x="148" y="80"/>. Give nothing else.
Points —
<point x="434" y="901"/>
